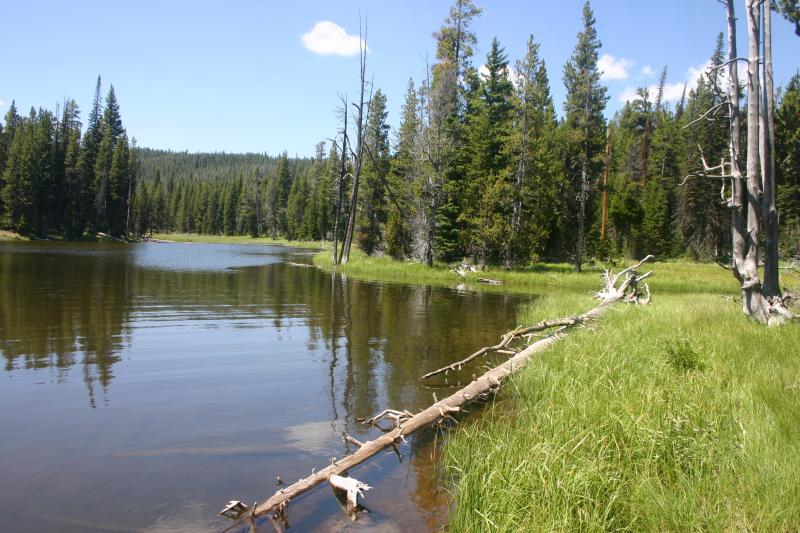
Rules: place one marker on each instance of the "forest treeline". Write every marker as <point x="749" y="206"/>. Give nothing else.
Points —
<point x="55" y="180"/>
<point x="479" y="166"/>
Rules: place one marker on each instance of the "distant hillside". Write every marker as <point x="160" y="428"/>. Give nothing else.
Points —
<point x="209" y="166"/>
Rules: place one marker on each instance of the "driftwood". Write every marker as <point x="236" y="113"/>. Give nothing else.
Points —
<point x="406" y="423"/>
<point x="348" y="489"/>
<point x="464" y="268"/>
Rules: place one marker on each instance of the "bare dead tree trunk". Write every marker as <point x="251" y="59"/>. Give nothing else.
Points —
<point x="581" y="215"/>
<point x="429" y="158"/>
<point x="340" y="186"/>
<point x="771" y="289"/>
<point x="358" y="156"/>
<point x="752" y="300"/>
<point x="763" y="303"/>
<point x="737" y="201"/>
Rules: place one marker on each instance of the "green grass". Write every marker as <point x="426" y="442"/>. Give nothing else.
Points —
<point x="237" y="239"/>
<point x="670" y="276"/>
<point x="6" y="235"/>
<point x="677" y="416"/>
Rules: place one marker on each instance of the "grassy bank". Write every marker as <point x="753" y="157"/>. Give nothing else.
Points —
<point x="6" y="235"/>
<point x="236" y="239"/>
<point x="13" y="236"/>
<point x="670" y="277"/>
<point x="678" y="416"/>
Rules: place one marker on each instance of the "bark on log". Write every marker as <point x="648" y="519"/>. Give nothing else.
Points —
<point x="628" y="291"/>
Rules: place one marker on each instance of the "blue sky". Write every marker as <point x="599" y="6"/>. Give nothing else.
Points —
<point x="237" y="76"/>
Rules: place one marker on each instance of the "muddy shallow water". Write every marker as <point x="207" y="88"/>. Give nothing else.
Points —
<point x="146" y="385"/>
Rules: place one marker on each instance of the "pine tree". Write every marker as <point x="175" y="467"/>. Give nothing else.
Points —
<point x="404" y="178"/>
<point x="112" y="120"/>
<point x="229" y="210"/>
<point x="118" y="180"/>
<point x="535" y="167"/>
<point x="487" y="191"/>
<point x="584" y="123"/>
<point x="703" y="219"/>
<point x="102" y="191"/>
<point x="6" y="138"/>
<point x="296" y="206"/>
<point x="17" y="190"/>
<point x="373" y="212"/>
<point x="445" y="99"/>
<point x="88" y="159"/>
<point x="276" y="197"/>
<point x="74" y="221"/>
<point x="787" y="168"/>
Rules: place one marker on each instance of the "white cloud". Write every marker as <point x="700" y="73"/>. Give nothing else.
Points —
<point x="612" y="68"/>
<point x="511" y="74"/>
<point x="693" y="74"/>
<point x="628" y="94"/>
<point x="2" y="103"/>
<point x="647" y="71"/>
<point x="672" y="91"/>
<point x="328" y="38"/>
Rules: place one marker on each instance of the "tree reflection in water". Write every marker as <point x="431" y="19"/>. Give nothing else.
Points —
<point x="359" y="346"/>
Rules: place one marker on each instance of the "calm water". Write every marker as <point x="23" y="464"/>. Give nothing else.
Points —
<point x="146" y="385"/>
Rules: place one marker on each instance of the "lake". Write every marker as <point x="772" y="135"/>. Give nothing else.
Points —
<point x="145" y="385"/>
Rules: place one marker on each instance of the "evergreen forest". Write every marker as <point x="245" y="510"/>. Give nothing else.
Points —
<point x="481" y="166"/>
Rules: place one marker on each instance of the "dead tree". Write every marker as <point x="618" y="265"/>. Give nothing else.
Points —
<point x="752" y="194"/>
<point x="626" y="286"/>
<point x="362" y="110"/>
<point x="431" y="156"/>
<point x="340" y="182"/>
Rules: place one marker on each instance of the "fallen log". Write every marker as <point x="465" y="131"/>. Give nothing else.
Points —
<point x="406" y="423"/>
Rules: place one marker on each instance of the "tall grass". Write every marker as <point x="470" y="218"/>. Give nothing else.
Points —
<point x="670" y="276"/>
<point x="678" y="416"/>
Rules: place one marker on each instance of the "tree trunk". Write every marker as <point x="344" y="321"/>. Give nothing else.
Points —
<point x="581" y="216"/>
<point x="359" y="155"/>
<point x="738" y="200"/>
<point x="752" y="300"/>
<point x="771" y="288"/>
<point x="340" y="189"/>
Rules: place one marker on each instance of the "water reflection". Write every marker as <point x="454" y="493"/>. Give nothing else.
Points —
<point x="58" y="312"/>
<point x="222" y="365"/>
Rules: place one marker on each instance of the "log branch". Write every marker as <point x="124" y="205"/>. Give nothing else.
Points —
<point x="505" y="340"/>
